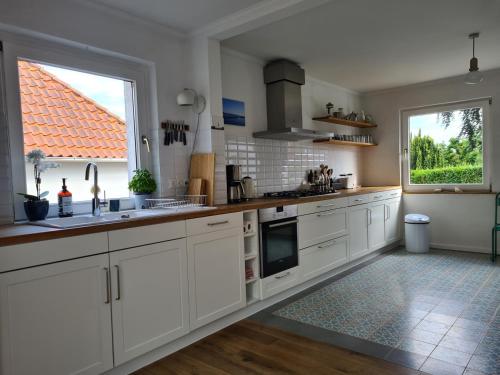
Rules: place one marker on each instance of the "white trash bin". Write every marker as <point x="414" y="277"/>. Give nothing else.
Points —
<point x="417" y="237"/>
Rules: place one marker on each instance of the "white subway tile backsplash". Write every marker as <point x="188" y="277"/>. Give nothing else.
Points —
<point x="275" y="165"/>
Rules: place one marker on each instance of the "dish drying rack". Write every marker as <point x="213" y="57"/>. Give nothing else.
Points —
<point x="179" y="201"/>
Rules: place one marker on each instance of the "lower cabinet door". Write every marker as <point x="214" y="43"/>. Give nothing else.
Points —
<point x="358" y="231"/>
<point x="150" y="297"/>
<point x="216" y="275"/>
<point x="376" y="226"/>
<point x="393" y="220"/>
<point x="56" y="319"/>
<point x="316" y="260"/>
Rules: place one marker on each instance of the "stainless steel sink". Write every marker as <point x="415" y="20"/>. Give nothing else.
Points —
<point x="112" y="217"/>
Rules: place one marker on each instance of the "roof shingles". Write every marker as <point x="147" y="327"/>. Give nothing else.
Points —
<point x="63" y="122"/>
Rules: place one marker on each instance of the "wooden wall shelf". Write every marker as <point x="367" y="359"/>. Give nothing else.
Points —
<point x="344" y="143"/>
<point x="339" y="121"/>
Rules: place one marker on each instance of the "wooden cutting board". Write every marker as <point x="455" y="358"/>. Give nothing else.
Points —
<point x="203" y="167"/>
<point x="196" y="186"/>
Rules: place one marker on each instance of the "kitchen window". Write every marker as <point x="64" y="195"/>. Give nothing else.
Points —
<point x="76" y="109"/>
<point x="446" y="147"/>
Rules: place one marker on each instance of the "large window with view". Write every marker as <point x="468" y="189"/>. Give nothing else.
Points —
<point x="72" y="118"/>
<point x="445" y="147"/>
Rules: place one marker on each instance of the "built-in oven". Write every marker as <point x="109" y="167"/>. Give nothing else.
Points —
<point x="279" y="249"/>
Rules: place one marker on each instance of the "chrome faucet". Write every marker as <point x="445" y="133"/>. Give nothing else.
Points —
<point x="96" y="207"/>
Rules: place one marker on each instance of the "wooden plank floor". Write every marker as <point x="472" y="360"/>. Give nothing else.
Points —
<point x="248" y="347"/>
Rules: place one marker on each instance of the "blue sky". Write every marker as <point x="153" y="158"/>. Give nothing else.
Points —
<point x="429" y="125"/>
<point x="108" y="92"/>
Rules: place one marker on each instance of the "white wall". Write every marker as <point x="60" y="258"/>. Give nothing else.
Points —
<point x="242" y="79"/>
<point x="461" y="222"/>
<point x="113" y="178"/>
<point x="92" y="25"/>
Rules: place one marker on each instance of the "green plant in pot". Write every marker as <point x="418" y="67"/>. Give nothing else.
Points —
<point x="36" y="206"/>
<point x="142" y="185"/>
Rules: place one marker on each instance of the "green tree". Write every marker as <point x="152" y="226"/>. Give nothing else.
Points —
<point x="425" y="153"/>
<point x="472" y="124"/>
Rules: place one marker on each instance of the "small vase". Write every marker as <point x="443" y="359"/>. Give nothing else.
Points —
<point x="36" y="210"/>
<point x="140" y="200"/>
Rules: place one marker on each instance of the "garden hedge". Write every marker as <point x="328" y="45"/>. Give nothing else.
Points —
<point x="468" y="174"/>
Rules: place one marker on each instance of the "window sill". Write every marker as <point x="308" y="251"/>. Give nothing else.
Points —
<point x="468" y="192"/>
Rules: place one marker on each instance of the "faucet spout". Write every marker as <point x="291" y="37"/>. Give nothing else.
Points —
<point x="96" y="208"/>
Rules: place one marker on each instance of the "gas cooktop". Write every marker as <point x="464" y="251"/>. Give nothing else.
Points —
<point x="298" y="193"/>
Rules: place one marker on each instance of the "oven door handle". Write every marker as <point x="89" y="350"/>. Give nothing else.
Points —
<point x="282" y="224"/>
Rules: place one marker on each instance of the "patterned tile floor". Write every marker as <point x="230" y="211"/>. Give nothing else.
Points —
<point x="437" y="312"/>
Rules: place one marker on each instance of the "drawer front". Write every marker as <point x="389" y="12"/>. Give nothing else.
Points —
<point x="394" y="193"/>
<point x="374" y="197"/>
<point x="316" y="260"/>
<point x="321" y="227"/>
<point x="281" y="281"/>
<point x="385" y="195"/>
<point x="359" y="199"/>
<point x="330" y="204"/>
<point x="148" y="234"/>
<point x="50" y="251"/>
<point x="214" y="223"/>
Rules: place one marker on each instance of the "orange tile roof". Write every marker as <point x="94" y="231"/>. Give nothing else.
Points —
<point x="62" y="122"/>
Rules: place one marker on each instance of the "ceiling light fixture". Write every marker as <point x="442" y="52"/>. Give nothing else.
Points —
<point x="474" y="76"/>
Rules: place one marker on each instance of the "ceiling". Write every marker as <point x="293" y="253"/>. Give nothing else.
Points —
<point x="183" y="15"/>
<point x="367" y="45"/>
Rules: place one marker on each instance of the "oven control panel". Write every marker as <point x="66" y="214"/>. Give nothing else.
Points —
<point x="277" y="213"/>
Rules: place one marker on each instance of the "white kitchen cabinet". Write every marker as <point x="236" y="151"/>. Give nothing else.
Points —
<point x="392" y="220"/>
<point x="358" y="231"/>
<point x="216" y="274"/>
<point x="376" y="225"/>
<point x="56" y="319"/>
<point x="149" y="297"/>
<point x="322" y="226"/>
<point x="321" y="258"/>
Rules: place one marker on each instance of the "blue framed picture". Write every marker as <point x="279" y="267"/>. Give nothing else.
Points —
<point x="233" y="112"/>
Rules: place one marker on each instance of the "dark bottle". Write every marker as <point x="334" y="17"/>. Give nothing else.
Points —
<point x="65" y="201"/>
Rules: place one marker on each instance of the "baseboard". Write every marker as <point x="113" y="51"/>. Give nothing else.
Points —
<point x="472" y="249"/>
<point x="200" y="333"/>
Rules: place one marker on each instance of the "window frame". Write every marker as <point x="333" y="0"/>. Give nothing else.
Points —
<point x="405" y="114"/>
<point x="86" y="60"/>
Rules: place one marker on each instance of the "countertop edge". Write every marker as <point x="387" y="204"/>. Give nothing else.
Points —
<point x="14" y="234"/>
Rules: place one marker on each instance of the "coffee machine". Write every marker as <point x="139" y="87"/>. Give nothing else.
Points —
<point x="235" y="190"/>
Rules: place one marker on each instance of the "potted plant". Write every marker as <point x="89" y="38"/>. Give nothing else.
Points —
<point x="36" y="206"/>
<point x="143" y="185"/>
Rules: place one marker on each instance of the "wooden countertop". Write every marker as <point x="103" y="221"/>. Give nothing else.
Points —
<point x="22" y="233"/>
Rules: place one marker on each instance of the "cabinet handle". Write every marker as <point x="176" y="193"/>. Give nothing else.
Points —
<point x="377" y="196"/>
<point x="359" y="200"/>
<point x="326" y="213"/>
<point x="218" y="223"/>
<point x="394" y="193"/>
<point x="282" y="276"/>
<point x="325" y="246"/>
<point x="326" y="205"/>
<point x="388" y="212"/>
<point x="108" y="289"/>
<point x="369" y="213"/>
<point x="281" y="224"/>
<point x="118" y="289"/>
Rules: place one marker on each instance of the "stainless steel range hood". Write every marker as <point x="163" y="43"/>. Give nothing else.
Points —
<point x="284" y="103"/>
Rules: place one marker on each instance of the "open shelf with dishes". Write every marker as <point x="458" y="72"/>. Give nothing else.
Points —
<point x="252" y="258"/>
<point x="341" y="121"/>
<point x="344" y="143"/>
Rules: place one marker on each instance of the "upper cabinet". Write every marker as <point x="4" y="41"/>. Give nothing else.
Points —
<point x="56" y="319"/>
